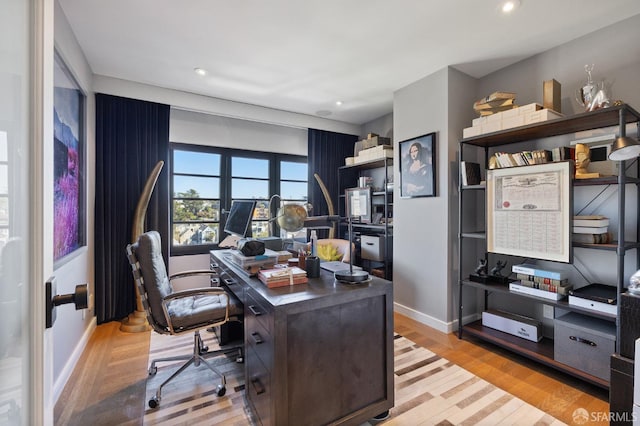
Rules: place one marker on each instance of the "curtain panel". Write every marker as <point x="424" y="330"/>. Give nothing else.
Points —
<point x="326" y="152"/>
<point x="131" y="137"/>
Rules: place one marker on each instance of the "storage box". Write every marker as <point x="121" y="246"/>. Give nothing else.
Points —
<point x="585" y="343"/>
<point x="517" y="325"/>
<point x="376" y="153"/>
<point x="471" y="131"/>
<point x="529" y="108"/>
<point x="372" y="247"/>
<point x="369" y="143"/>
<point x="542" y="115"/>
<point x="513" y="121"/>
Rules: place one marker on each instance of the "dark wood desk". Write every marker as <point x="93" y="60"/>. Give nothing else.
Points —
<point x="317" y="353"/>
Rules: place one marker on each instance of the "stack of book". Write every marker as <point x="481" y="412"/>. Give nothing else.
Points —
<point x="591" y="230"/>
<point x="524" y="158"/>
<point x="538" y="282"/>
<point x="470" y="173"/>
<point x="495" y="102"/>
<point x="281" y="277"/>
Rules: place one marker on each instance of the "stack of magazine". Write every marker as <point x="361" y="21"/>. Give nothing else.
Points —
<point x="544" y="283"/>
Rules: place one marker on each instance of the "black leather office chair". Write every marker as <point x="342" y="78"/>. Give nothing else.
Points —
<point x="177" y="312"/>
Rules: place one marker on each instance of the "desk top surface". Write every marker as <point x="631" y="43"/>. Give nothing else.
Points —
<point x="324" y="287"/>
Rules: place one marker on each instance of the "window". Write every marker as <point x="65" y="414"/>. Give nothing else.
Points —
<point x="205" y="181"/>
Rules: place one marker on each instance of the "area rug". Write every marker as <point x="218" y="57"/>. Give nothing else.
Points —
<point x="429" y="390"/>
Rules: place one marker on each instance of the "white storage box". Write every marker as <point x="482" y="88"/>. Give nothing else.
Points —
<point x="372" y="247"/>
<point x="518" y="325"/>
<point x="469" y="132"/>
<point x="592" y="304"/>
<point x="542" y="115"/>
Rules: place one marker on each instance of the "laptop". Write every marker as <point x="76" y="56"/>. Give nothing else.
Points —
<point x="336" y="265"/>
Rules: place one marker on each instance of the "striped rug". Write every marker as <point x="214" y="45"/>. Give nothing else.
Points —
<point x="429" y="390"/>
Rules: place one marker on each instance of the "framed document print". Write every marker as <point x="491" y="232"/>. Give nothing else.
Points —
<point x="529" y="211"/>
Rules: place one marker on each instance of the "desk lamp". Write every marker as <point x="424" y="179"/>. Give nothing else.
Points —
<point x="624" y="148"/>
<point x="355" y="207"/>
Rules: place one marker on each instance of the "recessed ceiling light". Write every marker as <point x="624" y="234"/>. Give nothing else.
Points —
<point x="338" y="103"/>
<point x="509" y="6"/>
<point x="200" y="71"/>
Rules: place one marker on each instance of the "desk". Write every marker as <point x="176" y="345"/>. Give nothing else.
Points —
<point x="317" y="353"/>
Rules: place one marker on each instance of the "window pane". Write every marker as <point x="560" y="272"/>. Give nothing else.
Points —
<point x="249" y="189"/>
<point x="195" y="234"/>
<point x="249" y="167"/>
<point x="198" y="163"/>
<point x="196" y="187"/>
<point x="293" y="171"/>
<point x="293" y="190"/>
<point x="259" y="229"/>
<point x="3" y="147"/>
<point x="4" y="212"/>
<point x="196" y="210"/>
<point x="4" y="179"/>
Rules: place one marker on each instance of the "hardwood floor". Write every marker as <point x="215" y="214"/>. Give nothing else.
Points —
<point x="107" y="386"/>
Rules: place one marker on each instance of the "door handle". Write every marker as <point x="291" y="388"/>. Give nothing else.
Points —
<point x="79" y="297"/>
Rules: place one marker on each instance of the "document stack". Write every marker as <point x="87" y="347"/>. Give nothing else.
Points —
<point x="544" y="283"/>
<point x="591" y="230"/>
<point x="281" y="277"/>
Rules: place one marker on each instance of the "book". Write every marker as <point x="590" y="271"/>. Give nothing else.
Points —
<point x="532" y="269"/>
<point x="543" y="280"/>
<point x="590" y="221"/>
<point x="592" y="238"/>
<point x="470" y="173"/>
<point x="597" y="292"/>
<point x="516" y="287"/>
<point x="495" y="96"/>
<point x="279" y="277"/>
<point x="564" y="290"/>
<point x="590" y="229"/>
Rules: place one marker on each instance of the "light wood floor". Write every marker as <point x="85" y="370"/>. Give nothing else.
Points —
<point x="108" y="383"/>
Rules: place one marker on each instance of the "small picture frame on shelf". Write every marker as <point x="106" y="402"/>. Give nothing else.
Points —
<point x="418" y="166"/>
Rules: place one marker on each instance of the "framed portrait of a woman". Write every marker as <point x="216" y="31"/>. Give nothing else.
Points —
<point x="418" y="166"/>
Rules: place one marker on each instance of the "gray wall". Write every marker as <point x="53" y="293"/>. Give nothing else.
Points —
<point x="425" y="251"/>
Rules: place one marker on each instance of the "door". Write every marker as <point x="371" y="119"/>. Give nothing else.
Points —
<point x="26" y="66"/>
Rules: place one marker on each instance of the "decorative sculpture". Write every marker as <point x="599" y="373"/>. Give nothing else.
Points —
<point x="137" y="321"/>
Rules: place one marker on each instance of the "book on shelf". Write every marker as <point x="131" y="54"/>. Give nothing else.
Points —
<point x="516" y="287"/>
<point x="470" y="172"/>
<point x="592" y="238"/>
<point x="542" y="280"/>
<point x="590" y="229"/>
<point x="532" y="269"/>
<point x="591" y="221"/>
<point x="562" y="153"/>
<point x="495" y="96"/>
<point x="561" y="289"/>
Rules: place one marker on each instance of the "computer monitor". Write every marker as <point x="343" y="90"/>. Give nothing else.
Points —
<point x="239" y="220"/>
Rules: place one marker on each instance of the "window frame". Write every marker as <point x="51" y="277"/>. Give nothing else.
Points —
<point x="225" y="181"/>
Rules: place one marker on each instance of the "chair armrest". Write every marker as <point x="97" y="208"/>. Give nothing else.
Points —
<point x="191" y="273"/>
<point x="200" y="291"/>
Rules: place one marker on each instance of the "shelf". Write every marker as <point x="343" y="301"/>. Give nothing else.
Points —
<point x="562" y="304"/>
<point x="478" y="234"/>
<point x="371" y="164"/>
<point x="541" y="352"/>
<point x="607" y="117"/>
<point x="613" y="246"/>
<point x="473" y="187"/>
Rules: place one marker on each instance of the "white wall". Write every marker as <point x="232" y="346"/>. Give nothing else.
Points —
<point x="425" y="254"/>
<point x="73" y="328"/>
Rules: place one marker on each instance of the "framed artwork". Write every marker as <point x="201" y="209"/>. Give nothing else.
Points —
<point x="529" y="211"/>
<point x="359" y="204"/>
<point x="69" y="178"/>
<point x="418" y="166"/>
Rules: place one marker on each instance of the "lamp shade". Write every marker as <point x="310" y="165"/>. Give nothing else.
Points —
<point x="624" y="148"/>
<point x="291" y="217"/>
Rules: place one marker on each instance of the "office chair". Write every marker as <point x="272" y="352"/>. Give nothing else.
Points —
<point x="177" y="312"/>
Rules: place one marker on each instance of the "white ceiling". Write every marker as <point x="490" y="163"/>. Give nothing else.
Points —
<point x="304" y="55"/>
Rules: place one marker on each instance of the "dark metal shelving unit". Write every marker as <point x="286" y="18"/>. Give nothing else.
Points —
<point x="542" y="352"/>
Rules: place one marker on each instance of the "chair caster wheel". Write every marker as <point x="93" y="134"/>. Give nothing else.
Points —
<point x="154" y="402"/>
<point x="203" y="350"/>
<point x="240" y="360"/>
<point x="153" y="370"/>
<point x="221" y="390"/>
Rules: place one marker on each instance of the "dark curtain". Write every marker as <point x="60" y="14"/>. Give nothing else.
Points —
<point x="326" y="152"/>
<point x="131" y="137"/>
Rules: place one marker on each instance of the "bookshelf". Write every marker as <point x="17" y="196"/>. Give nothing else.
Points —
<point x="472" y="235"/>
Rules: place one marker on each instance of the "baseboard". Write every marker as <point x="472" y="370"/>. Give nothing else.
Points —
<point x="444" y="327"/>
<point x="71" y="363"/>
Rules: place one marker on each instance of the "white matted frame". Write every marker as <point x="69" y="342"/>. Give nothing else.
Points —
<point x="529" y="211"/>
